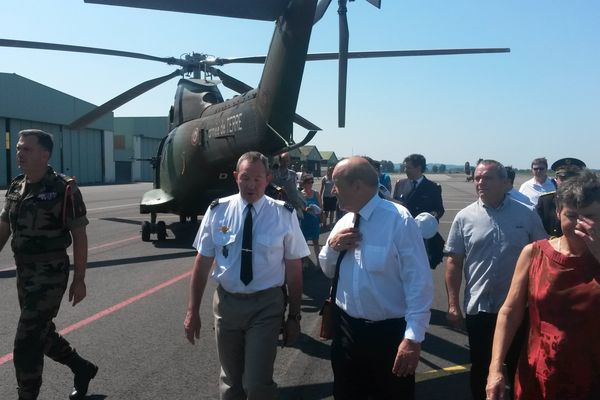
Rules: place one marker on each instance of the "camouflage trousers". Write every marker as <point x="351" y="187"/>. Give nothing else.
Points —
<point x="41" y="284"/>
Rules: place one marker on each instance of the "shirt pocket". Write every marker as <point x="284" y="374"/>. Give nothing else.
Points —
<point x="375" y="258"/>
<point x="224" y="239"/>
<point x="269" y="249"/>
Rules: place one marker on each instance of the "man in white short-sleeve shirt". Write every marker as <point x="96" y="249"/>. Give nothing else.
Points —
<point x="256" y="245"/>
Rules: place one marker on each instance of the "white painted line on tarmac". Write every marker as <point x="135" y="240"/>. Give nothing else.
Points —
<point x="110" y="207"/>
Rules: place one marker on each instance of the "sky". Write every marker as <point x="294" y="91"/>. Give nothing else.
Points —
<point x="539" y="100"/>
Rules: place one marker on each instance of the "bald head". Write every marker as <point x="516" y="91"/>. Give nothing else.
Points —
<point x="284" y="160"/>
<point x="355" y="183"/>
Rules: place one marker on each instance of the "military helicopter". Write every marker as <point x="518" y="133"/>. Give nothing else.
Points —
<point x="207" y="134"/>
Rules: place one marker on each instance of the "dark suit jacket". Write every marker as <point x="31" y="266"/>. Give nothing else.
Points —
<point x="427" y="197"/>
<point x="546" y="208"/>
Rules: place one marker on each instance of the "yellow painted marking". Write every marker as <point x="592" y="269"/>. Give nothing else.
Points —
<point x="438" y="373"/>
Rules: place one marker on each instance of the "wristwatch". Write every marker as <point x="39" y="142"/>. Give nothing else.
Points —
<point x="295" y="317"/>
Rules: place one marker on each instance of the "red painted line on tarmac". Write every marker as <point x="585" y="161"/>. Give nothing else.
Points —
<point x="129" y="239"/>
<point x="8" y="357"/>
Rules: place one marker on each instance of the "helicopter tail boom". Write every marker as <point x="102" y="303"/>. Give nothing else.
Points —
<point x="279" y="86"/>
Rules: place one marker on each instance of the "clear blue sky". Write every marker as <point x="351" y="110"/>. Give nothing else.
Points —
<point x="542" y="99"/>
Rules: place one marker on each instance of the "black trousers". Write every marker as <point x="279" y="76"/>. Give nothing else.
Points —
<point x="362" y="357"/>
<point x="480" y="328"/>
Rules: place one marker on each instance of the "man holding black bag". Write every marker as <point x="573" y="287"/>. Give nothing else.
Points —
<point x="384" y="289"/>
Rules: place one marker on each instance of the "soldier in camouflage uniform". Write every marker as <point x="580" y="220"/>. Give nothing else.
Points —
<point x="45" y="213"/>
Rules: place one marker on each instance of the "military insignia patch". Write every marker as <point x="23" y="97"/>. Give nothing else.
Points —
<point x="289" y="207"/>
<point x="47" y="196"/>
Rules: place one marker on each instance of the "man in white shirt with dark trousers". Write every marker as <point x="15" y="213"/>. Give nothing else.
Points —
<point x="384" y="292"/>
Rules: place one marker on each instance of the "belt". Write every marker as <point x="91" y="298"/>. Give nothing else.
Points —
<point x="53" y="255"/>
<point x="362" y="321"/>
<point x="252" y="295"/>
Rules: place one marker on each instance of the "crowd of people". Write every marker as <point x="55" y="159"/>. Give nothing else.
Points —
<point x="530" y="260"/>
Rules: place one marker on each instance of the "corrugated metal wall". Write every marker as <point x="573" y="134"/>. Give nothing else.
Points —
<point x="82" y="153"/>
<point x="75" y="153"/>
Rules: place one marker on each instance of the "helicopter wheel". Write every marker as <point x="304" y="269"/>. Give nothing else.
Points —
<point x="161" y="230"/>
<point x="146" y="230"/>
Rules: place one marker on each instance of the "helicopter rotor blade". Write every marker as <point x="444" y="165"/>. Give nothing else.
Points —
<point x="322" y="6"/>
<point x="91" y="50"/>
<point x="342" y="63"/>
<point x="404" y="53"/>
<point x="121" y="99"/>
<point x="240" y="87"/>
<point x="229" y="81"/>
<point x="376" y="3"/>
<point x="369" y="54"/>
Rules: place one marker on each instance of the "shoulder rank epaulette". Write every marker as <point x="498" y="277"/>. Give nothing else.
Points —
<point x="66" y="178"/>
<point x="288" y="207"/>
<point x="16" y="181"/>
<point x="547" y="194"/>
<point x="214" y="204"/>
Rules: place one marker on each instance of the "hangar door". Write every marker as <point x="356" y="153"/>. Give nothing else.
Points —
<point x="75" y="153"/>
<point x="4" y="156"/>
<point x="82" y="153"/>
<point x="149" y="147"/>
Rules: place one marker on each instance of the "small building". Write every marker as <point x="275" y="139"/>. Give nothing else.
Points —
<point x="136" y="144"/>
<point x="307" y="159"/>
<point x="329" y="158"/>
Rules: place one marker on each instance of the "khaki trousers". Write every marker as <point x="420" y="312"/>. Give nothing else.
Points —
<point x="247" y="329"/>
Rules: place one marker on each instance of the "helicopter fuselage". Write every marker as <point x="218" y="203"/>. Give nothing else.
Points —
<point x="199" y="155"/>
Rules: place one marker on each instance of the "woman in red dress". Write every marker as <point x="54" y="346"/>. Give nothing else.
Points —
<point x="559" y="280"/>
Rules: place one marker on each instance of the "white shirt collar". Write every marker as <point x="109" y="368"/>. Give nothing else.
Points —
<point x="366" y="210"/>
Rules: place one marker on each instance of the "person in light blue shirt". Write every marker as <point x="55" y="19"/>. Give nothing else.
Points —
<point x="484" y="243"/>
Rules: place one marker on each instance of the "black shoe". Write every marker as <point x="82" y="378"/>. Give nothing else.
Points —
<point x="82" y="379"/>
<point x="84" y="371"/>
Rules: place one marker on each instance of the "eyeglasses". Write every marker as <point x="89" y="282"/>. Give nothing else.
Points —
<point x="538" y="168"/>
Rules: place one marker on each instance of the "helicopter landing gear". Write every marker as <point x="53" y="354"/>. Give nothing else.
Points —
<point x="161" y="231"/>
<point x="150" y="227"/>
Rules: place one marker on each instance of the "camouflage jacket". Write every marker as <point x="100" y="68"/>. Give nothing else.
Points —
<point x="41" y="215"/>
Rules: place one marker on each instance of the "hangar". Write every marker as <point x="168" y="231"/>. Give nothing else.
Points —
<point x="110" y="150"/>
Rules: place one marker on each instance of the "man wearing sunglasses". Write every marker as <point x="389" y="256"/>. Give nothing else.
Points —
<point x="540" y="183"/>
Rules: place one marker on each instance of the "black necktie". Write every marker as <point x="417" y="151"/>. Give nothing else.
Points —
<point x="336" y="277"/>
<point x="343" y="252"/>
<point x="246" y="267"/>
<point x="414" y="187"/>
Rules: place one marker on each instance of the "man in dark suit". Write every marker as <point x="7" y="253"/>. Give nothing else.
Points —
<point x="419" y="194"/>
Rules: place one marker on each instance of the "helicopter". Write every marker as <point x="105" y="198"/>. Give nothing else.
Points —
<point x="207" y="134"/>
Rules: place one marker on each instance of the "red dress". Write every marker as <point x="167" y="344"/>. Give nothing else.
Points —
<point x="562" y="358"/>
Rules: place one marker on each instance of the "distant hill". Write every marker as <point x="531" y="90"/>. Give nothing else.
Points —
<point x="451" y="168"/>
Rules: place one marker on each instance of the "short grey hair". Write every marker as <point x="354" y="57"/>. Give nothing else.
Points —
<point x="253" y="156"/>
